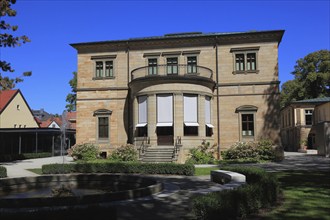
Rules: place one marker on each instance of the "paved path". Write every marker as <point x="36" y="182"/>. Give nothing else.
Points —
<point x="175" y="201"/>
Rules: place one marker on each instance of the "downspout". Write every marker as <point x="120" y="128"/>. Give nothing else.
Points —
<point x="129" y="140"/>
<point x="217" y="90"/>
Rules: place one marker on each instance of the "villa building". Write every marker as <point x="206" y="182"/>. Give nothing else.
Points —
<point x="178" y="90"/>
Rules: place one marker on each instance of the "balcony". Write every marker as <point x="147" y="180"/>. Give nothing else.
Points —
<point x="172" y="71"/>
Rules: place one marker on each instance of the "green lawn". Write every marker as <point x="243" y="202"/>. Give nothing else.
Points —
<point x="306" y="195"/>
<point x="36" y="170"/>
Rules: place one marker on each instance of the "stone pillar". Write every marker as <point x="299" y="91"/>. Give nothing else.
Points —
<point x="178" y="115"/>
<point x="201" y="116"/>
<point x="152" y="119"/>
<point x="135" y="116"/>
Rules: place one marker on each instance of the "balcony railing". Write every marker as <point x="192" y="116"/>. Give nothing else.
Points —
<point x="172" y="70"/>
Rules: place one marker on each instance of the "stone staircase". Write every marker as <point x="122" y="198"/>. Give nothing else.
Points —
<point x="158" y="154"/>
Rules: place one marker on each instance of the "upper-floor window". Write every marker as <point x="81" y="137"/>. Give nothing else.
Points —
<point x="308" y="117"/>
<point x="192" y="64"/>
<point x="245" y="59"/>
<point x="172" y="65"/>
<point x="152" y="66"/>
<point x="104" y="66"/>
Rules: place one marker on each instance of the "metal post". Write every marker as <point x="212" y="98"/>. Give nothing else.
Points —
<point x="19" y="144"/>
<point x="36" y="142"/>
<point x="53" y="146"/>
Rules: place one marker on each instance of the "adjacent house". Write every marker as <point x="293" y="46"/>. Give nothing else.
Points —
<point x="22" y="132"/>
<point x="178" y="90"/>
<point x="302" y="126"/>
<point x="321" y="124"/>
<point x="15" y="111"/>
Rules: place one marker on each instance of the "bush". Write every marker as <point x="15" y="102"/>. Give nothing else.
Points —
<point x="124" y="153"/>
<point x="120" y="167"/>
<point x="3" y="172"/>
<point x="261" y="191"/>
<point x="261" y="150"/>
<point x="203" y="154"/>
<point x="85" y="151"/>
<point x="24" y="156"/>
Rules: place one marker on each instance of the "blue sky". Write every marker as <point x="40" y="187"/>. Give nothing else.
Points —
<point x="53" y="24"/>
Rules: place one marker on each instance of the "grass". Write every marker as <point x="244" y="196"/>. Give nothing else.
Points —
<point x="306" y="195"/>
<point x="36" y="170"/>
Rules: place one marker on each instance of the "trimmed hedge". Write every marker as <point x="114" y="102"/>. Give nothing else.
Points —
<point x="121" y="167"/>
<point x="261" y="191"/>
<point x="3" y="172"/>
<point x="25" y="156"/>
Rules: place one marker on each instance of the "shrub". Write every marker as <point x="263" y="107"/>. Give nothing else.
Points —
<point x="203" y="154"/>
<point x="3" y="172"/>
<point x="85" y="151"/>
<point x="120" y="167"/>
<point x="124" y="153"/>
<point x="261" y="191"/>
<point x="260" y="150"/>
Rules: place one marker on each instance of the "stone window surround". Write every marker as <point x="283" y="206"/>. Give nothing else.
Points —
<point x="245" y="51"/>
<point x="104" y="59"/>
<point x="98" y="114"/>
<point x="247" y="109"/>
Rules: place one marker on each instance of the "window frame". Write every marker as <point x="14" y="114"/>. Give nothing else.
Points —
<point x="247" y="110"/>
<point x="244" y="52"/>
<point x="154" y="67"/>
<point x="102" y="113"/>
<point x="309" y="114"/>
<point x="171" y="66"/>
<point x="104" y="60"/>
<point x="192" y="68"/>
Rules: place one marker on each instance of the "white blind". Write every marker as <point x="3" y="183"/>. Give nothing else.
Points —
<point x="190" y="108"/>
<point x="207" y="110"/>
<point x="165" y="108"/>
<point x="142" y="100"/>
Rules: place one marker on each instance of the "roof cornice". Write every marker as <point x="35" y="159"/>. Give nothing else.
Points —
<point x="182" y="40"/>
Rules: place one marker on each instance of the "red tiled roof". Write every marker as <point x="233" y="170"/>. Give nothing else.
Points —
<point x="5" y="97"/>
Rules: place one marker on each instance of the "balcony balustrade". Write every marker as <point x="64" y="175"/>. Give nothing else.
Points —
<point x="179" y="70"/>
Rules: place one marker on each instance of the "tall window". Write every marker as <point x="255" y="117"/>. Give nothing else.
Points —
<point x="104" y="69"/>
<point x="208" y="125"/>
<point x="308" y="117"/>
<point x="172" y="65"/>
<point x="240" y="62"/>
<point x="251" y="61"/>
<point x="190" y="111"/>
<point x="103" y="127"/>
<point x="152" y="66"/>
<point x="142" y="128"/>
<point x="247" y="121"/>
<point x="192" y="64"/>
<point x="247" y="125"/>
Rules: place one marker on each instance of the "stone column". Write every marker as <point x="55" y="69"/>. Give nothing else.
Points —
<point x="135" y="116"/>
<point x="201" y="115"/>
<point x="178" y="115"/>
<point x="152" y="119"/>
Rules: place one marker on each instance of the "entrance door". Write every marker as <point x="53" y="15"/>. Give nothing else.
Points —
<point x="165" y="136"/>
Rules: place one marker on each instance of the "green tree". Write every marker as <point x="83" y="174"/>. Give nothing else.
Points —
<point x="72" y="97"/>
<point x="7" y="39"/>
<point x="311" y="78"/>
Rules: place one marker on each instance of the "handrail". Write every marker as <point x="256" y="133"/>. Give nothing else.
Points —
<point x="177" y="146"/>
<point x="172" y="70"/>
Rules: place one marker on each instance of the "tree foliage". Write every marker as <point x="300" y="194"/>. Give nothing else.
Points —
<point x="7" y="39"/>
<point x="311" y="78"/>
<point x="72" y="97"/>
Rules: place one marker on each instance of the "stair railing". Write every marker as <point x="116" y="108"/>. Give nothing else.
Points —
<point x="177" y="147"/>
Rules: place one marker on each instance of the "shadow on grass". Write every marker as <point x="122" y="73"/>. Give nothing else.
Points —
<point x="306" y="196"/>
